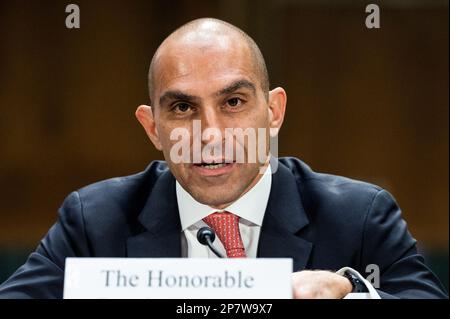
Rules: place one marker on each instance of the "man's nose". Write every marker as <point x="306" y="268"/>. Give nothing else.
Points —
<point x="211" y="123"/>
<point x="210" y="117"/>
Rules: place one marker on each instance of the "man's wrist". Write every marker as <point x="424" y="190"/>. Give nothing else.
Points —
<point x="347" y="284"/>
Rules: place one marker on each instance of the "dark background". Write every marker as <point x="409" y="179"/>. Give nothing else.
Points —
<point x="370" y="104"/>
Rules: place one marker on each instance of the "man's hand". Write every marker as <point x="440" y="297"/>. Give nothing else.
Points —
<point x="319" y="284"/>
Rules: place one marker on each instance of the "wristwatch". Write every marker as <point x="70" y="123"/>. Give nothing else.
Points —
<point x="357" y="284"/>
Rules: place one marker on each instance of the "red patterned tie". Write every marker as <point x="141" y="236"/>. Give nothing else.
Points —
<point x="226" y="226"/>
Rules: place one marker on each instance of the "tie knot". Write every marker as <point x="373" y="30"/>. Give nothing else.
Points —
<point x="220" y="218"/>
<point x="226" y="226"/>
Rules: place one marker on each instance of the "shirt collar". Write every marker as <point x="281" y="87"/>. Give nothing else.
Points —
<point x="251" y="206"/>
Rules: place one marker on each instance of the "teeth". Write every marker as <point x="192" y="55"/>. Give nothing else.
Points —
<point x="213" y="166"/>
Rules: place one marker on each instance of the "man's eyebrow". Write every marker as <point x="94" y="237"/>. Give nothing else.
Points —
<point x="176" y="95"/>
<point x="179" y="95"/>
<point x="236" y="86"/>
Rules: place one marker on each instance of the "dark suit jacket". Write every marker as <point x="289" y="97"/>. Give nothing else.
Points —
<point x="321" y="221"/>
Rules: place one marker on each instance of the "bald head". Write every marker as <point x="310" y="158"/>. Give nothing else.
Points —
<point x="206" y="34"/>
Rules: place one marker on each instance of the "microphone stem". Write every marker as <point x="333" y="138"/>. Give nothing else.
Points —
<point x="214" y="250"/>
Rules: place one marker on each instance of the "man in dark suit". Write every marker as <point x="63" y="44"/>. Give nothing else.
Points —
<point x="212" y="72"/>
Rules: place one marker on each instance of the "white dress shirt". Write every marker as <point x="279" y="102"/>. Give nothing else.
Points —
<point x="250" y="208"/>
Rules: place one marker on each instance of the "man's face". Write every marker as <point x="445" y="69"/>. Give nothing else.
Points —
<point x="217" y="85"/>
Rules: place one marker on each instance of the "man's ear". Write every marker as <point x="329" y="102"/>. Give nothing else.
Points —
<point x="144" y="114"/>
<point x="277" y="108"/>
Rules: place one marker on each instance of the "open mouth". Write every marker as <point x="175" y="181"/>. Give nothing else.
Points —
<point x="213" y="165"/>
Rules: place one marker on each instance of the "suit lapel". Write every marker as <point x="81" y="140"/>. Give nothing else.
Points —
<point x="161" y="220"/>
<point x="284" y="218"/>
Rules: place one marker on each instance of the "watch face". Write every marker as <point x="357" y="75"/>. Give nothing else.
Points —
<point x="358" y="285"/>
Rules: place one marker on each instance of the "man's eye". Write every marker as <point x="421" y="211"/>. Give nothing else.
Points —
<point x="181" y="107"/>
<point x="234" y="102"/>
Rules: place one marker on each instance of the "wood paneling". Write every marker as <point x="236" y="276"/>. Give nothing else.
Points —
<point x="369" y="104"/>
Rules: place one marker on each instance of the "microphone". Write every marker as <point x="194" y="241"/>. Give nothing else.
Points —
<point x="206" y="236"/>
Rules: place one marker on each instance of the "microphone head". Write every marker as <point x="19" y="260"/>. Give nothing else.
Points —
<point x="204" y="233"/>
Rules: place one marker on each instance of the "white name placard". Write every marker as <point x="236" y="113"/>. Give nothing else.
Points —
<point x="178" y="278"/>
